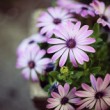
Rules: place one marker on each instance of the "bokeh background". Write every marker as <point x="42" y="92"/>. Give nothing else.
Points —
<point x="15" y="20"/>
<point x="15" y="24"/>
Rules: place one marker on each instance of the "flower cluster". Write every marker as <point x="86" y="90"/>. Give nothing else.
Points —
<point x="70" y="46"/>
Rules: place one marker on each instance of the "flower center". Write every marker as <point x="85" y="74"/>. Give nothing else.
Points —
<point x="31" y="64"/>
<point x="31" y="42"/>
<point x="71" y="43"/>
<point x="84" y="8"/>
<point x="105" y="18"/>
<point x="99" y="95"/>
<point x="57" y="21"/>
<point x="64" y="100"/>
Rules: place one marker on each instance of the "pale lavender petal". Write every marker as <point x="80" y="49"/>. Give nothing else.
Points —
<point x="40" y="54"/>
<point x="70" y="107"/>
<point x="72" y="59"/>
<point x="58" y="54"/>
<point x="98" y="105"/>
<point x="107" y="100"/>
<point x="66" y="88"/>
<point x="61" y="91"/>
<point x="75" y="100"/>
<point x="60" y="34"/>
<point x="43" y="61"/>
<point x="56" y="41"/>
<point x="106" y="82"/>
<point x="84" y="94"/>
<point x="103" y="104"/>
<point x="82" y="30"/>
<point x="93" y="81"/>
<point x="55" y="95"/>
<point x="78" y="57"/>
<point x="83" y="55"/>
<point x="39" y="69"/>
<point x="91" y="105"/>
<point x="52" y="100"/>
<point x="55" y="48"/>
<point x="63" y="58"/>
<point x="85" y="35"/>
<point x="49" y="106"/>
<point x="87" y="88"/>
<point x="77" y="27"/>
<point x="58" y="107"/>
<point x="86" y="48"/>
<point x="86" y="104"/>
<point x="34" y="75"/>
<point x="86" y="41"/>
<point x="71" y="94"/>
<point x="99" y="83"/>
<point x="26" y="73"/>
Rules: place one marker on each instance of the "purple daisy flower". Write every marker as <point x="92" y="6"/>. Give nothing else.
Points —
<point x="77" y="7"/>
<point x="30" y="42"/>
<point x="51" y="19"/>
<point x="72" y="40"/>
<point x="103" y="12"/>
<point x="32" y="63"/>
<point x="63" y="99"/>
<point x="97" y="96"/>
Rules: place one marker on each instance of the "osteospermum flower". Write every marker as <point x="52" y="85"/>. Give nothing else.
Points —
<point x="63" y="99"/>
<point x="77" y="7"/>
<point x="72" y="40"/>
<point x="51" y="19"/>
<point x="32" y="63"/>
<point x="30" y="42"/>
<point x="103" y="12"/>
<point x="97" y="96"/>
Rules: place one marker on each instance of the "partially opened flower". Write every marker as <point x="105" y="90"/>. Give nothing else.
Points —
<point x="97" y="96"/>
<point x="51" y="19"/>
<point x="32" y="63"/>
<point x="83" y="10"/>
<point x="103" y="12"/>
<point x="30" y="42"/>
<point x="72" y="40"/>
<point x="64" y="99"/>
<point x="77" y="7"/>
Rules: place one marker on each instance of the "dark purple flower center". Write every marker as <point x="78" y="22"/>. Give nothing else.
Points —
<point x="71" y="43"/>
<point x="104" y="18"/>
<point x="31" y="42"/>
<point x="64" y="100"/>
<point x="57" y="21"/>
<point x="99" y="95"/>
<point x="84" y="8"/>
<point x="31" y="64"/>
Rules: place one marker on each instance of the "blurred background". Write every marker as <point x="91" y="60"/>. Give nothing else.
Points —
<point x="15" y="23"/>
<point x="15" y="20"/>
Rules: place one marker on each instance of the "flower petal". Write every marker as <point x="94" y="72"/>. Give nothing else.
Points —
<point x="55" y="48"/>
<point x="63" y="58"/>
<point x="61" y="91"/>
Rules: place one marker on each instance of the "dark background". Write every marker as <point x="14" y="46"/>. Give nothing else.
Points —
<point x="15" y="18"/>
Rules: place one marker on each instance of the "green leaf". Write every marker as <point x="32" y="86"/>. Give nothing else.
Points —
<point x="53" y="74"/>
<point x="95" y="70"/>
<point x="96" y="29"/>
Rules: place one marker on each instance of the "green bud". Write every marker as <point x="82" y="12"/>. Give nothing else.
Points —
<point x="64" y="70"/>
